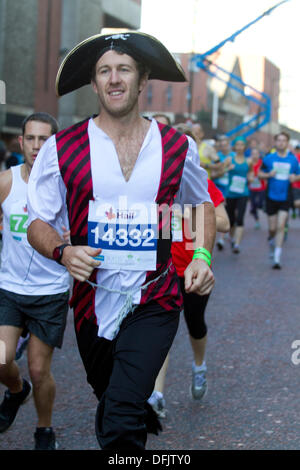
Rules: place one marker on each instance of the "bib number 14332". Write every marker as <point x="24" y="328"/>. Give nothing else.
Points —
<point x="118" y="238"/>
<point x="127" y="238"/>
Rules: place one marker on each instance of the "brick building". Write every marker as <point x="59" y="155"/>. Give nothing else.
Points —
<point x="178" y="100"/>
<point x="35" y="35"/>
<point x="195" y="98"/>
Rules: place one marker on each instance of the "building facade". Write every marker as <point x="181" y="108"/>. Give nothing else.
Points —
<point x="177" y="100"/>
<point x="35" y="36"/>
<point x="212" y="101"/>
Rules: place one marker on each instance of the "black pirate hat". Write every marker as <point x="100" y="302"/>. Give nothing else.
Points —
<point x="76" y="69"/>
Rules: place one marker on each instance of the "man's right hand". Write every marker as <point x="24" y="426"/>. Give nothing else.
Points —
<point x="80" y="262"/>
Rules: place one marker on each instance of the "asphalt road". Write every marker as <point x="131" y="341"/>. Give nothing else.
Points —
<point x="253" y="399"/>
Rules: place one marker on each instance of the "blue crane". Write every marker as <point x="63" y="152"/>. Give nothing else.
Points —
<point x="263" y="116"/>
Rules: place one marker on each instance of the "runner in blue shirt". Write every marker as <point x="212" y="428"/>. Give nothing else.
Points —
<point x="280" y="168"/>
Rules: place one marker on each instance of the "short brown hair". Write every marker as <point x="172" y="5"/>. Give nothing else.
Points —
<point x="41" y="117"/>
<point x="282" y="133"/>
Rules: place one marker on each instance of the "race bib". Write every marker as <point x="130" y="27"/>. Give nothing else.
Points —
<point x="128" y="238"/>
<point x="224" y="180"/>
<point x="255" y="184"/>
<point x="238" y="184"/>
<point x="282" y="170"/>
<point x="176" y="226"/>
<point x="18" y="222"/>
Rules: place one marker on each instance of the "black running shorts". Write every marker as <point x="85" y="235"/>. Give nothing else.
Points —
<point x="43" y="315"/>
<point x="273" y="207"/>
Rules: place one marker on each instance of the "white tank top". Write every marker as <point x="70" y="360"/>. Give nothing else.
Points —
<point x="23" y="269"/>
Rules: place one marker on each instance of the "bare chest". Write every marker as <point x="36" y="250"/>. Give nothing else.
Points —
<point x="128" y="152"/>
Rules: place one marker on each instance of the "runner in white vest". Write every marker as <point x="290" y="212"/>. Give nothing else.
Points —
<point x="33" y="293"/>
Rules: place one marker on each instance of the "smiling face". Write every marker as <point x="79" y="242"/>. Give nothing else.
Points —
<point x="35" y="135"/>
<point x="117" y="83"/>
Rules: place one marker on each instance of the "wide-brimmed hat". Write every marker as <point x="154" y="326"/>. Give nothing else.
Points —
<point x="76" y="69"/>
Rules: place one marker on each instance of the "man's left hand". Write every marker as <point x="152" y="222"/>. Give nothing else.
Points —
<point x="198" y="278"/>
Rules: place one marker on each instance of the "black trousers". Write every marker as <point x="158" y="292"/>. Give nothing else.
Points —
<point x="122" y="372"/>
<point x="257" y="199"/>
<point x="194" y="309"/>
<point x="236" y="208"/>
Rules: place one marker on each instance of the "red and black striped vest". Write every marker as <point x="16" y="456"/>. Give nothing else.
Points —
<point x="73" y="149"/>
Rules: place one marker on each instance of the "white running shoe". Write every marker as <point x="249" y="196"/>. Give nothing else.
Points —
<point x="199" y="383"/>
<point x="158" y="404"/>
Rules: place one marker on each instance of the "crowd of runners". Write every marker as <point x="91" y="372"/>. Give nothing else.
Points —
<point x="265" y="183"/>
<point x="63" y="223"/>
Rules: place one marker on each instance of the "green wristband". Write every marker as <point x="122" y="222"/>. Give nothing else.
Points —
<point x="204" y="251"/>
<point x="202" y="256"/>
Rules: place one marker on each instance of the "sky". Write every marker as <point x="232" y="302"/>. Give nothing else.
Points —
<point x="186" y="25"/>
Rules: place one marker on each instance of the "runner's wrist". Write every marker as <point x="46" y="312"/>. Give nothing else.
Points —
<point x="204" y="254"/>
<point x="58" y="252"/>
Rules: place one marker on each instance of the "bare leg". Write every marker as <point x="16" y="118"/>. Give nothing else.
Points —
<point x="160" y="380"/>
<point x="239" y="234"/>
<point x="272" y="223"/>
<point x="39" y="363"/>
<point x="297" y="203"/>
<point x="281" y="221"/>
<point x="198" y="346"/>
<point x="9" y="372"/>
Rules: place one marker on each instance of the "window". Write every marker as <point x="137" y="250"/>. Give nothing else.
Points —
<point x="169" y="95"/>
<point x="149" y="94"/>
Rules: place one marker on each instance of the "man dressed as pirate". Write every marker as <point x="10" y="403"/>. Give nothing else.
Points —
<point x="117" y="175"/>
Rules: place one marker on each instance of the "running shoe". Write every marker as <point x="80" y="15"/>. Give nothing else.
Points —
<point x="45" y="439"/>
<point x="276" y="265"/>
<point x="199" y="383"/>
<point x="271" y="248"/>
<point x="11" y="404"/>
<point x="220" y="244"/>
<point x="22" y="344"/>
<point x="158" y="404"/>
<point x="236" y="248"/>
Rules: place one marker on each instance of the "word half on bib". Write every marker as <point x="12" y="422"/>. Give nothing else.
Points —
<point x="127" y="237"/>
